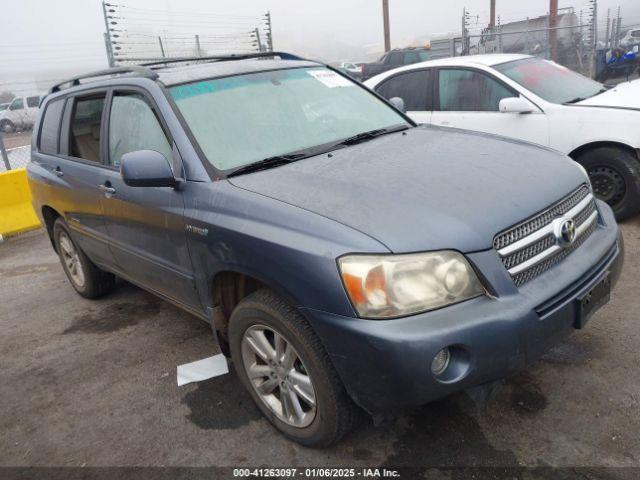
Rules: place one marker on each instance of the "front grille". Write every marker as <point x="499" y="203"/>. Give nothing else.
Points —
<point x="533" y="246"/>
<point x="540" y="220"/>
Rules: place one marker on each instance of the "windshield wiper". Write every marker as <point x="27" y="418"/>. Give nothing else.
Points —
<point x="579" y="99"/>
<point x="364" y="136"/>
<point x="266" y="163"/>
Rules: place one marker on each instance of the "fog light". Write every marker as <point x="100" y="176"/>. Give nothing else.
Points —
<point x="441" y="361"/>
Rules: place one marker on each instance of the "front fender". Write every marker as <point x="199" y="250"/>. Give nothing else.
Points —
<point x="291" y="250"/>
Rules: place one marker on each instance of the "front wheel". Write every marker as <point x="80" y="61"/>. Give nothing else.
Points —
<point x="287" y="372"/>
<point x="615" y="177"/>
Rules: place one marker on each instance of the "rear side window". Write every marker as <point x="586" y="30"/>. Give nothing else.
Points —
<point x="134" y="126"/>
<point x="85" y="128"/>
<point x="33" y="102"/>
<point x="412" y="87"/>
<point x="50" y="130"/>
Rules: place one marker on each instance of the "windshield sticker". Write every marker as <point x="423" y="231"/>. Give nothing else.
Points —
<point x="330" y="79"/>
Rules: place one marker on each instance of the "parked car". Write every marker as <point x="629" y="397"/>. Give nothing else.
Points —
<point x="536" y="100"/>
<point x="344" y="256"/>
<point x="352" y="69"/>
<point x="393" y="59"/>
<point x="630" y="38"/>
<point x="21" y="113"/>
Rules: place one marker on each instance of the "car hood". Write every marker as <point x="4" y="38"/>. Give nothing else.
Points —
<point x="623" y="95"/>
<point x="431" y="188"/>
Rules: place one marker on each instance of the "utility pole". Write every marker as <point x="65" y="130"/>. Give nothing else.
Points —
<point x="553" y="33"/>
<point x="198" y="51"/>
<point x="492" y="17"/>
<point x="607" y="35"/>
<point x="161" y="47"/>
<point x="618" y="27"/>
<point x="385" y="21"/>
<point x="107" y="37"/>
<point x="258" y="42"/>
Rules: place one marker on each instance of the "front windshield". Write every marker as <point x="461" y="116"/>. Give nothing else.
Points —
<point x="246" y="118"/>
<point x="550" y="81"/>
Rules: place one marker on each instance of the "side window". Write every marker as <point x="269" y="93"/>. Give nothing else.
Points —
<point x="410" y="57"/>
<point x="50" y="129"/>
<point x="395" y="58"/>
<point x="17" y="104"/>
<point x="85" y="128"/>
<point x="134" y="126"/>
<point x="469" y="91"/>
<point x="33" y="102"/>
<point x="413" y="87"/>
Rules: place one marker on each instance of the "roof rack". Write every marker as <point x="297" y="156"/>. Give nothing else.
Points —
<point x="224" y="58"/>
<point x="134" y="70"/>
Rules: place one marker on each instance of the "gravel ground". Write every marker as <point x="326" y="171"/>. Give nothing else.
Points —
<point x="92" y="383"/>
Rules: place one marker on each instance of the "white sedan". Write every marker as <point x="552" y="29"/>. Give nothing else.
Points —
<point x="535" y="100"/>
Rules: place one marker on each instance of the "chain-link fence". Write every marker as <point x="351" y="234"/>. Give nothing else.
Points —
<point x="15" y="150"/>
<point x="571" y="46"/>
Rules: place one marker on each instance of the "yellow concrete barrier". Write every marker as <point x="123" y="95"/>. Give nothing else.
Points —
<point x="16" y="212"/>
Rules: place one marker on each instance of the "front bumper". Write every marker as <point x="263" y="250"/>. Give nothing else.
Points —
<point x="385" y="364"/>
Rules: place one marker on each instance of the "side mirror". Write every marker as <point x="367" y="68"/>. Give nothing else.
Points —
<point x="146" y="168"/>
<point x="398" y="103"/>
<point x="515" y="105"/>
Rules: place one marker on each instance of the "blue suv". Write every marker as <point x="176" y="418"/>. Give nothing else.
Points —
<point x="345" y="258"/>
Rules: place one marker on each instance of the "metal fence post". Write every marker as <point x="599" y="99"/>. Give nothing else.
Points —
<point x="5" y="157"/>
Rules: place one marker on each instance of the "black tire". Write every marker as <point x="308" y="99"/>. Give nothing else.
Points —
<point x="7" y="126"/>
<point x="336" y="414"/>
<point x="615" y="177"/>
<point x="97" y="282"/>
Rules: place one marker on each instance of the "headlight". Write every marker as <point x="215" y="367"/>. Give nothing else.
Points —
<point x="385" y="286"/>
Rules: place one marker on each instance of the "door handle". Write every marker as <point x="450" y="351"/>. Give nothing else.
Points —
<point x="107" y="189"/>
<point x="58" y="171"/>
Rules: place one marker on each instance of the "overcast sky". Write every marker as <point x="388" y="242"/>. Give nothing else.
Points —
<point x="55" y="37"/>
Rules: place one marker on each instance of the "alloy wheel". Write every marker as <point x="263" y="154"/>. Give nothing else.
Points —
<point x="278" y="375"/>
<point x="71" y="260"/>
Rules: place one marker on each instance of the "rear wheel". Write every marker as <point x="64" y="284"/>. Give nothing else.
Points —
<point x="615" y="177"/>
<point x="87" y="279"/>
<point x="287" y="372"/>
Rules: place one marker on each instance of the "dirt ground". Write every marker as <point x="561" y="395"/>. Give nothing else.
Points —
<point x="18" y="139"/>
<point x="93" y="383"/>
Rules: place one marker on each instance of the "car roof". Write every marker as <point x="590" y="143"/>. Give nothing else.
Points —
<point x="178" y="74"/>
<point x="487" y="60"/>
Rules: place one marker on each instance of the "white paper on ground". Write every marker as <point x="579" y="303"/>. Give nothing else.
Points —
<point x="202" y="369"/>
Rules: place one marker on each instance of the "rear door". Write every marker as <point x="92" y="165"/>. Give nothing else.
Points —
<point x="145" y="224"/>
<point x="415" y="88"/>
<point x="469" y="98"/>
<point x="74" y="161"/>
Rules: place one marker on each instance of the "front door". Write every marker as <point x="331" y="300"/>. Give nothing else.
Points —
<point x="414" y="88"/>
<point x="469" y="99"/>
<point x="145" y="225"/>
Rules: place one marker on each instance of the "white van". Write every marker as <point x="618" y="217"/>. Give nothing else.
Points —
<point x="21" y="114"/>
